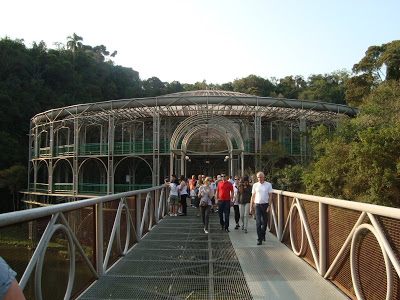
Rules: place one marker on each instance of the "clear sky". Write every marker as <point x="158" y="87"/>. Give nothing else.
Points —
<point x="213" y="40"/>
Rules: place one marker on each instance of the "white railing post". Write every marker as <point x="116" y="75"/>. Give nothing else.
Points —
<point x="156" y="210"/>
<point x="280" y="216"/>
<point x="138" y="216"/>
<point x="323" y="237"/>
<point x="99" y="239"/>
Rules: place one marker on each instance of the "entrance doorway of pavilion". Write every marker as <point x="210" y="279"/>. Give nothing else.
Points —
<point x="206" y="144"/>
<point x="209" y="152"/>
<point x="209" y="165"/>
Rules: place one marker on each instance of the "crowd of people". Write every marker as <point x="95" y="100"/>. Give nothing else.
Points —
<point x="218" y="194"/>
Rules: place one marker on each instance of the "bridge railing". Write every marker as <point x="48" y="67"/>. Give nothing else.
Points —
<point x="355" y="245"/>
<point x="57" y="251"/>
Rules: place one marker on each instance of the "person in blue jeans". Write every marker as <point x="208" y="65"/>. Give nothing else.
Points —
<point x="223" y="198"/>
<point x="260" y="195"/>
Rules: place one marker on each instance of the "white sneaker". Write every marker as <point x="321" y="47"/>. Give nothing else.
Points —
<point x="205" y="230"/>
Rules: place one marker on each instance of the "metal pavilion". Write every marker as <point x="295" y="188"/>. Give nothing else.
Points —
<point x="114" y="146"/>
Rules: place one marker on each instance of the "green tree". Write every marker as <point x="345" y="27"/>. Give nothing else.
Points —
<point x="272" y="156"/>
<point x="153" y="87"/>
<point x="390" y="57"/>
<point x="327" y="88"/>
<point x="13" y="178"/>
<point x="380" y="63"/>
<point x="174" y="87"/>
<point x="254" y="85"/>
<point x="360" y="161"/>
<point x="200" y="85"/>
<point x="357" y="88"/>
<point x="290" y="178"/>
<point x="326" y="176"/>
<point x="36" y="79"/>
<point x="291" y="86"/>
<point x="227" y="86"/>
<point x="74" y="42"/>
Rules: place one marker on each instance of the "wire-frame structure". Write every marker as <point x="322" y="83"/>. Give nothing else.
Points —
<point x="114" y="146"/>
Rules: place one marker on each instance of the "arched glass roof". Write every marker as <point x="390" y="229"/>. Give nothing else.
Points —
<point x="208" y="93"/>
<point x="186" y="104"/>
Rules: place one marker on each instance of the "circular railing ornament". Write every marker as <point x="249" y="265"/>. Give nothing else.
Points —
<point x="388" y="264"/>
<point x="295" y="251"/>
<point x="39" y="266"/>
<point x="128" y="232"/>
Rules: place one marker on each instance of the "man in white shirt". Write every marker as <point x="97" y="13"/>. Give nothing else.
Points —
<point x="260" y="196"/>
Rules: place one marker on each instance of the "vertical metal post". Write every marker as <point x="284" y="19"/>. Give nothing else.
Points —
<point x="182" y="163"/>
<point x="51" y="150"/>
<point x="303" y="129"/>
<point x="323" y="238"/>
<point x="257" y="140"/>
<point x="242" y="163"/>
<point x="271" y="132"/>
<point x="75" y="158"/>
<point x="280" y="216"/>
<point x="171" y="163"/>
<point x="110" y="169"/>
<point x="231" y="165"/>
<point x="30" y="156"/>
<point x="291" y="138"/>
<point x="99" y="238"/>
<point x="156" y="204"/>
<point x="139" y="215"/>
<point x="36" y="142"/>
<point x="156" y="147"/>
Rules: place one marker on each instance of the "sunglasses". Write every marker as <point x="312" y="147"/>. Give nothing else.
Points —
<point x="236" y="178"/>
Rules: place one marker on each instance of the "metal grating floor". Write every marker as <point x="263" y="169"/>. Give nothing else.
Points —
<point x="176" y="260"/>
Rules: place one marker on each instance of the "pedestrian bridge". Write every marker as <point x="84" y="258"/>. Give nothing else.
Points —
<point x="123" y="246"/>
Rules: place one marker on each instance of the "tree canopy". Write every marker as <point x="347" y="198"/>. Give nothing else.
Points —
<point x="360" y="160"/>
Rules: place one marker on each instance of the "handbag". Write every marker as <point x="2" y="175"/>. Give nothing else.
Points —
<point x="203" y="203"/>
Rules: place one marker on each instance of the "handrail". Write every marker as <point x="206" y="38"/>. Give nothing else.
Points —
<point x="384" y="211"/>
<point x="154" y="210"/>
<point x="35" y="213"/>
<point x="352" y="239"/>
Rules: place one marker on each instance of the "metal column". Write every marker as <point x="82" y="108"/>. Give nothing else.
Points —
<point x="156" y="147"/>
<point x="110" y="169"/>
<point x="51" y="149"/>
<point x="75" y="158"/>
<point x="257" y="140"/>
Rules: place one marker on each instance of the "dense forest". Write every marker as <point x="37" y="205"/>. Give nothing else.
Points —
<point x="358" y="162"/>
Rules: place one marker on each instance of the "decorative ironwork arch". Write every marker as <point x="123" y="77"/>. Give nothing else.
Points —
<point x="185" y="131"/>
<point x="192" y="125"/>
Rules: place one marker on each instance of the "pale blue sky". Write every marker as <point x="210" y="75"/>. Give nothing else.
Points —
<point x="215" y="40"/>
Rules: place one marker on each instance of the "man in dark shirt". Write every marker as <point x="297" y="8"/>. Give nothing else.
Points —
<point x="223" y="198"/>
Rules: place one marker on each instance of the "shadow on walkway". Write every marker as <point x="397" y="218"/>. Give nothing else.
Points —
<point x="176" y="260"/>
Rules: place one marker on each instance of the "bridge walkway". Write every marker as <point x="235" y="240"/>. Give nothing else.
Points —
<point x="177" y="260"/>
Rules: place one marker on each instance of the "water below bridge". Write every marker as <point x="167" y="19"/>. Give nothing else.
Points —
<point x="177" y="260"/>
